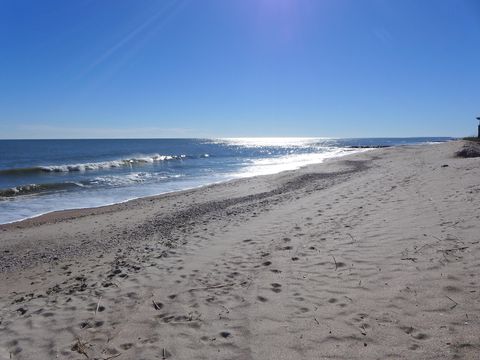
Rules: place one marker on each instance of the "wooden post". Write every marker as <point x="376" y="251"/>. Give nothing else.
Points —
<point x="478" y="118"/>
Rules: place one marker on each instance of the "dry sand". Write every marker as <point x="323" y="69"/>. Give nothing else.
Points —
<point x="374" y="256"/>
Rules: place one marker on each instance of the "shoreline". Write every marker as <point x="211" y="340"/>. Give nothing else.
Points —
<point x="355" y="149"/>
<point x="72" y="213"/>
<point x="372" y="255"/>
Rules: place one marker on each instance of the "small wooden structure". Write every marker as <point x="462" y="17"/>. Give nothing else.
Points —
<point x="478" y="118"/>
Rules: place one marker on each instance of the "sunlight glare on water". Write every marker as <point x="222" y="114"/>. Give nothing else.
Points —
<point x="272" y="141"/>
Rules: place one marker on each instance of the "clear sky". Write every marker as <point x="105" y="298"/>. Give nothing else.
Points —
<point x="215" y="68"/>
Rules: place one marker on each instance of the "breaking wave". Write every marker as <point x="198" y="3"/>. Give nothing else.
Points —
<point x="102" y="181"/>
<point x="96" y="165"/>
<point x="38" y="188"/>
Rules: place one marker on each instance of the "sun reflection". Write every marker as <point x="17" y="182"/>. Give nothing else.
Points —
<point x="272" y="141"/>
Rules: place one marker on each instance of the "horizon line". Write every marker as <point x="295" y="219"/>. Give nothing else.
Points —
<point x="241" y="137"/>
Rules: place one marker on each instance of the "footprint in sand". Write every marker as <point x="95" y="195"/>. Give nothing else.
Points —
<point x="126" y="346"/>
<point x="276" y="287"/>
<point x="421" y="336"/>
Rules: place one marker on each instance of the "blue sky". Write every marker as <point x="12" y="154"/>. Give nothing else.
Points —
<point x="214" y="68"/>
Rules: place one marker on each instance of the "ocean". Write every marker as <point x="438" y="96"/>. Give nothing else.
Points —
<point x="40" y="176"/>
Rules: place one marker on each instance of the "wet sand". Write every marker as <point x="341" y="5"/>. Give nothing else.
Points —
<point x="372" y="256"/>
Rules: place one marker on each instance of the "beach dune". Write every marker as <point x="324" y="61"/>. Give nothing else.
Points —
<point x="372" y="256"/>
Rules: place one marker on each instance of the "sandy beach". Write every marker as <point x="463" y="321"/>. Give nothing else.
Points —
<point x="371" y="256"/>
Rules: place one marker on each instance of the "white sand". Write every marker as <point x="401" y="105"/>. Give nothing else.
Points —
<point x="373" y="256"/>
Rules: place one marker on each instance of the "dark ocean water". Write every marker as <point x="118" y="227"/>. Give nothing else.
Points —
<point x="39" y="176"/>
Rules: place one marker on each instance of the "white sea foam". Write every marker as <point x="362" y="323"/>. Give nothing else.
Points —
<point x="278" y="164"/>
<point x="132" y="178"/>
<point x="111" y="164"/>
